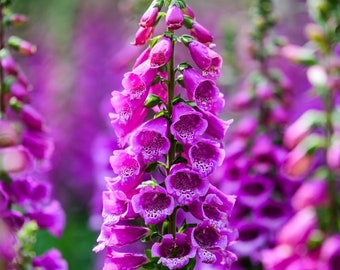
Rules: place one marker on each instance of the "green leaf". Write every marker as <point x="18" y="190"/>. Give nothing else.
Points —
<point x="151" y="101"/>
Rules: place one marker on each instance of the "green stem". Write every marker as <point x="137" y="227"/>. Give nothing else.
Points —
<point x="171" y="154"/>
<point x="2" y="92"/>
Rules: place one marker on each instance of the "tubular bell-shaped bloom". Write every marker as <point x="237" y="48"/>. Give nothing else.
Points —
<point x="160" y="53"/>
<point x="149" y="17"/>
<point x="150" y="140"/>
<point x="187" y="123"/>
<point x="205" y="156"/>
<point x="175" y="252"/>
<point x="185" y="185"/>
<point x="174" y="18"/>
<point x="143" y="35"/>
<point x="117" y="260"/>
<point x="201" y="33"/>
<point x="52" y="259"/>
<point x="203" y="91"/>
<point x="153" y="204"/>
<point x="209" y="61"/>
<point x="124" y="164"/>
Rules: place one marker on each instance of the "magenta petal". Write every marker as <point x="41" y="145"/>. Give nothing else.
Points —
<point x="160" y="53"/>
<point x="187" y="124"/>
<point x="153" y="204"/>
<point x="150" y="140"/>
<point x="119" y="261"/>
<point x="174" y="18"/>
<point x="201" y="33"/>
<point x="51" y="260"/>
<point x="205" y="156"/>
<point x="149" y="17"/>
<point x="124" y="164"/>
<point x="174" y="253"/>
<point x="185" y="185"/>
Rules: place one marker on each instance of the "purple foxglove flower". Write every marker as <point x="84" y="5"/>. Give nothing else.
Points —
<point x="252" y="237"/>
<point x="31" y="117"/>
<point x="330" y="252"/>
<point x="215" y="207"/>
<point x="272" y="214"/>
<point x="217" y="128"/>
<point x="124" y="164"/>
<point x="160" y="53"/>
<point x="137" y="82"/>
<point x="246" y="127"/>
<point x="149" y="17"/>
<point x="119" y="235"/>
<point x="242" y="100"/>
<point x="19" y="91"/>
<point x="174" y="18"/>
<point x="8" y="242"/>
<point x="143" y="35"/>
<point x="254" y="191"/>
<point x="39" y="144"/>
<point x="207" y="239"/>
<point x="187" y="123"/>
<point x="205" y="156"/>
<point x="51" y="260"/>
<point x="142" y="57"/>
<point x="263" y="154"/>
<point x="9" y="65"/>
<point x="175" y="252"/>
<point x="264" y="91"/>
<point x="115" y="206"/>
<point x="333" y="153"/>
<point x="8" y="135"/>
<point x="125" y="118"/>
<point x="201" y="33"/>
<point x="202" y="90"/>
<point x="209" y="61"/>
<point x="50" y="217"/>
<point x="188" y="11"/>
<point x="299" y="228"/>
<point x="279" y="257"/>
<point x="116" y="260"/>
<point x="311" y="193"/>
<point x="14" y="219"/>
<point x="153" y="204"/>
<point x="150" y="140"/>
<point x="15" y="159"/>
<point x="185" y="185"/>
<point x="128" y="186"/>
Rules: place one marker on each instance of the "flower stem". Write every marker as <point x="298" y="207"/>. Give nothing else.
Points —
<point x="171" y="154"/>
<point x="2" y="92"/>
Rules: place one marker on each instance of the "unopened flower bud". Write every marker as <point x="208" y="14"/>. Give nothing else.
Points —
<point x="174" y="18"/>
<point x="188" y="11"/>
<point x="8" y="63"/>
<point x="201" y="33"/>
<point x="18" y="90"/>
<point x="317" y="76"/>
<point x="149" y="17"/>
<point x="264" y="91"/>
<point x="298" y="54"/>
<point x="143" y="35"/>
<point x="31" y="117"/>
<point x="161" y="53"/>
<point x="8" y="135"/>
<point x="314" y="32"/>
<point x="15" y="19"/>
<point x="333" y="153"/>
<point x="14" y="159"/>
<point x="22" y="46"/>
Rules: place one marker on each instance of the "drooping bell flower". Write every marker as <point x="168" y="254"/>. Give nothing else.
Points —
<point x="153" y="204"/>
<point x="185" y="185"/>
<point x="137" y="82"/>
<point x="40" y="145"/>
<point x="208" y="239"/>
<point x="119" y="235"/>
<point x="125" y="118"/>
<point x="205" y="156"/>
<point x="160" y="53"/>
<point x="124" y="164"/>
<point x="115" y="206"/>
<point x="8" y="134"/>
<point x="174" y="18"/>
<point x="149" y="17"/>
<point x="175" y="252"/>
<point x="52" y="259"/>
<point x="203" y="91"/>
<point x="15" y="159"/>
<point x="209" y="61"/>
<point x="118" y="260"/>
<point x="150" y="140"/>
<point x="31" y="117"/>
<point x="187" y="123"/>
<point x="143" y="35"/>
<point x="202" y="34"/>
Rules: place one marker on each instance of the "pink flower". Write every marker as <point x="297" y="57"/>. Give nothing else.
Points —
<point x="174" y="18"/>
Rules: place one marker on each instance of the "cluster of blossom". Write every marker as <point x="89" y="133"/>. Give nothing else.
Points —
<point x="255" y="151"/>
<point x="25" y="149"/>
<point x="161" y="194"/>
<point x="311" y="238"/>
